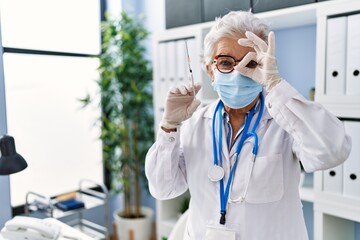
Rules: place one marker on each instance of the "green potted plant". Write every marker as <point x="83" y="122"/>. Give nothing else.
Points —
<point x="127" y="129"/>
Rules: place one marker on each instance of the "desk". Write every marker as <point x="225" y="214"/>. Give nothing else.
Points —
<point x="67" y="232"/>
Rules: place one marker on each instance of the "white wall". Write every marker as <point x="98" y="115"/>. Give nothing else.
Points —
<point x="113" y="7"/>
<point x="155" y="20"/>
<point x="154" y="12"/>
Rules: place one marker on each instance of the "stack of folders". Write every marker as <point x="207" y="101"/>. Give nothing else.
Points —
<point x="343" y="55"/>
<point x="345" y="179"/>
<point x="343" y="79"/>
<point x="67" y="202"/>
<point x="70" y="204"/>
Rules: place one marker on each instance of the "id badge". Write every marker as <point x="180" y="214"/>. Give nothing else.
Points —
<point x="216" y="234"/>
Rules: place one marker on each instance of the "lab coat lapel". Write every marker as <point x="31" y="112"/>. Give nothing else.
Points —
<point x="225" y="148"/>
<point x="225" y="151"/>
<point x="264" y="119"/>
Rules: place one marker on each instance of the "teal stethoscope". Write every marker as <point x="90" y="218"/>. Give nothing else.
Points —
<point x="216" y="172"/>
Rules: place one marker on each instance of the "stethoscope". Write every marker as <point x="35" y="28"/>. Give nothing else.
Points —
<point x="216" y="172"/>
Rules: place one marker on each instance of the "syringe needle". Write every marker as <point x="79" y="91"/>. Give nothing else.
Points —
<point x="190" y="70"/>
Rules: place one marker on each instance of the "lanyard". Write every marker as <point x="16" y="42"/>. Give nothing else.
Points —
<point x="224" y="195"/>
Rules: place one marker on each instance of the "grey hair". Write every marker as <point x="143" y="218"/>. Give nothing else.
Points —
<point x="233" y="25"/>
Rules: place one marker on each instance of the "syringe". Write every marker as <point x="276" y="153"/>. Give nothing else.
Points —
<point x="191" y="73"/>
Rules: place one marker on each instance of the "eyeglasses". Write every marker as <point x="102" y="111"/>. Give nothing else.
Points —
<point x="225" y="63"/>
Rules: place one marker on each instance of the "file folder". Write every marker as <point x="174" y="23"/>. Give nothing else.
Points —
<point x="171" y="63"/>
<point x="353" y="55"/>
<point x="182" y="67"/>
<point x="335" y="56"/>
<point x="352" y="164"/>
<point x="162" y="82"/>
<point x="333" y="180"/>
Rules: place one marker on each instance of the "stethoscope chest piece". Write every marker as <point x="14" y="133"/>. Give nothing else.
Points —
<point x="215" y="173"/>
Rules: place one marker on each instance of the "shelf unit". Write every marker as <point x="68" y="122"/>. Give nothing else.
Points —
<point x="335" y="212"/>
<point x="166" y="75"/>
<point x="306" y="190"/>
<point x="169" y="51"/>
<point x="342" y="105"/>
<point x="43" y="206"/>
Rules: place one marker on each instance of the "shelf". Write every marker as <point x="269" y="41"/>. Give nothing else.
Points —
<point x="338" y="205"/>
<point x="307" y="189"/>
<point x="334" y="206"/>
<point x="307" y="194"/>
<point x="345" y="107"/>
<point x="89" y="228"/>
<point x="277" y="19"/>
<point x="44" y="207"/>
<point x="291" y="17"/>
<point x="90" y="202"/>
<point x="327" y="206"/>
<point x="297" y="16"/>
<point x="339" y="103"/>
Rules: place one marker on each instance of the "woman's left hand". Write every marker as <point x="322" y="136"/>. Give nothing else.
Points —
<point x="265" y="71"/>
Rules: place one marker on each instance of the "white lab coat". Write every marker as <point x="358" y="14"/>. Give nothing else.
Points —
<point x="290" y="130"/>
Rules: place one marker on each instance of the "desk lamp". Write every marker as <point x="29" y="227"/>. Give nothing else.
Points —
<point x="10" y="161"/>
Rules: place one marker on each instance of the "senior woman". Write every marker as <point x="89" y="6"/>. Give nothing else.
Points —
<point x="239" y="156"/>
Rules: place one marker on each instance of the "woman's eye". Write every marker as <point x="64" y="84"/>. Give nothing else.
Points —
<point x="226" y="63"/>
<point x="252" y="64"/>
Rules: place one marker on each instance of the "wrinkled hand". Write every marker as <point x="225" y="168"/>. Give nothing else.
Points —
<point x="180" y="105"/>
<point x="265" y="72"/>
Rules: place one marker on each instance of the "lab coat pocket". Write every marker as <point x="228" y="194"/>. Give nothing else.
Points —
<point x="266" y="183"/>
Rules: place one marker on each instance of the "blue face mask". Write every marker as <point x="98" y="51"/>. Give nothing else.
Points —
<point x="235" y="90"/>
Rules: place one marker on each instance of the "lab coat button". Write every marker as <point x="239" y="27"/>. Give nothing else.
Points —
<point x="171" y="139"/>
<point x="269" y="105"/>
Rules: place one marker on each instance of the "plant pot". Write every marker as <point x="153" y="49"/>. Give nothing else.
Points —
<point x="134" y="228"/>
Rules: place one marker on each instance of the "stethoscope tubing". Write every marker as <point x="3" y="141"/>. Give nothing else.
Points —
<point x="224" y="196"/>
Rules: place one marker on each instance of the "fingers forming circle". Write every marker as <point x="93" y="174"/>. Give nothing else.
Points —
<point x="271" y="40"/>
<point x="258" y="42"/>
<point x="250" y="56"/>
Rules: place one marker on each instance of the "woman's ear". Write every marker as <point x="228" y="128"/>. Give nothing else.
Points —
<point x="210" y="72"/>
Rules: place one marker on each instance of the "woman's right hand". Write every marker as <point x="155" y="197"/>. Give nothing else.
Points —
<point x="180" y="105"/>
<point x="265" y="72"/>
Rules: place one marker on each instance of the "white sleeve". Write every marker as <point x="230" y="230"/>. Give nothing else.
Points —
<point x="320" y="141"/>
<point x="165" y="166"/>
